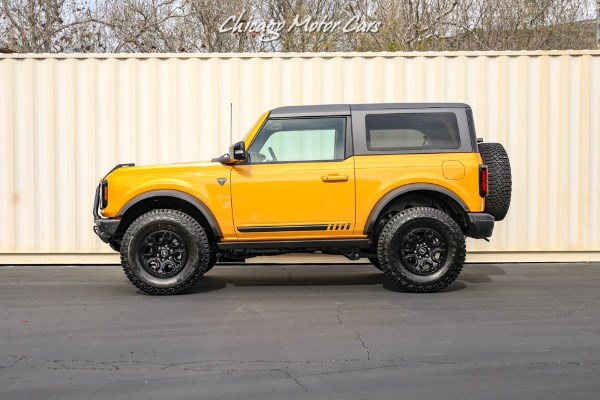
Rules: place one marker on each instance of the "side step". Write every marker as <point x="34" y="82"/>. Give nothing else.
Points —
<point x="327" y="244"/>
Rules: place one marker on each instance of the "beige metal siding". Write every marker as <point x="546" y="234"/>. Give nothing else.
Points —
<point x="66" y="120"/>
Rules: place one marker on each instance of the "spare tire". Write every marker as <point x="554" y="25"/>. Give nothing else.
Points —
<point x="499" y="179"/>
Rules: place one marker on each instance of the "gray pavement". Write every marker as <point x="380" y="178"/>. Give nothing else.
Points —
<point x="516" y="331"/>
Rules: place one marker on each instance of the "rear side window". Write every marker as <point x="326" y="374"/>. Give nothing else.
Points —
<point x="408" y="131"/>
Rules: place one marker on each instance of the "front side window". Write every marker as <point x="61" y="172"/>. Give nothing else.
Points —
<point x="411" y="131"/>
<point x="299" y="140"/>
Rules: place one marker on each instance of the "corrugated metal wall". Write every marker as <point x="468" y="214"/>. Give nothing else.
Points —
<point x="66" y="120"/>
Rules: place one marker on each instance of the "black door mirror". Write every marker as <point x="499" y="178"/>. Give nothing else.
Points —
<point x="237" y="151"/>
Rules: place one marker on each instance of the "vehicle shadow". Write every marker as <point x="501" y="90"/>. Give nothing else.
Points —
<point x="455" y="286"/>
<point x="471" y="274"/>
<point x="480" y="273"/>
<point x="283" y="275"/>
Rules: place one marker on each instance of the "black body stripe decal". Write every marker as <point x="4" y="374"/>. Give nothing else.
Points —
<point x="282" y="228"/>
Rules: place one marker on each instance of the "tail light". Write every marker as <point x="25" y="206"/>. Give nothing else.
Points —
<point x="483" y="180"/>
<point x="104" y="194"/>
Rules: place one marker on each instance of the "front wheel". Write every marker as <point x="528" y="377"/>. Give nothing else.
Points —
<point x="421" y="249"/>
<point x="165" y="252"/>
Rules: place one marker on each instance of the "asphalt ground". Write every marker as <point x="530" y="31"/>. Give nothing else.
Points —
<point x="502" y="331"/>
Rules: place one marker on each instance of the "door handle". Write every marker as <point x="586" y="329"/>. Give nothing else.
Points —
<point x="334" y="178"/>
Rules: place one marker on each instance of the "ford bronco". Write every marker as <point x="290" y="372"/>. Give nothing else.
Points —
<point x="399" y="184"/>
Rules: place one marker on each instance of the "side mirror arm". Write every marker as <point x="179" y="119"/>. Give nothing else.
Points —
<point x="224" y="159"/>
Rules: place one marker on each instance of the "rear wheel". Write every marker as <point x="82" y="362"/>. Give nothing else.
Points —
<point x="421" y="249"/>
<point x="165" y="252"/>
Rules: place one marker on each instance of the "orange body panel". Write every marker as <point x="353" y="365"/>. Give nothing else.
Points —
<point x="294" y="194"/>
<point x="198" y="180"/>
<point x="378" y="175"/>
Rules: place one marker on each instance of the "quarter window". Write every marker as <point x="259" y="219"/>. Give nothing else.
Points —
<point x="407" y="131"/>
<point x="299" y="140"/>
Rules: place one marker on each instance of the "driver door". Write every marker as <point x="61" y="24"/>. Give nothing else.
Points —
<point x="297" y="183"/>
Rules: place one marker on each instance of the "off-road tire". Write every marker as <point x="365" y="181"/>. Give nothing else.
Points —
<point x="499" y="179"/>
<point x="407" y="222"/>
<point x="375" y="262"/>
<point x="181" y="224"/>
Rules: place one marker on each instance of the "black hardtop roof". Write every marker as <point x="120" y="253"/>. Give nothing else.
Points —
<point x="344" y="109"/>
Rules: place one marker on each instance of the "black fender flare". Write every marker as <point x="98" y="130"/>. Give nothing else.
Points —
<point x="202" y="208"/>
<point x="413" y="187"/>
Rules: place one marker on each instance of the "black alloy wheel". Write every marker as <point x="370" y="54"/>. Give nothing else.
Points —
<point x="164" y="253"/>
<point x="423" y="251"/>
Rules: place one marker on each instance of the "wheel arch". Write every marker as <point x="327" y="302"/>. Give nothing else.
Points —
<point x="426" y="190"/>
<point x="169" y="199"/>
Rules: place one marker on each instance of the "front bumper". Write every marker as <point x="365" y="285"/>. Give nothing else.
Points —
<point x="481" y="225"/>
<point x="105" y="228"/>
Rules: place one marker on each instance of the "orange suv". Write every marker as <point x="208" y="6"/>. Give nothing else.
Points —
<point x="399" y="184"/>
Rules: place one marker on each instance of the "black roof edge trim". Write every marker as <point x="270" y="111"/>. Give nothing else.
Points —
<point x="346" y="109"/>
<point x="312" y="110"/>
<point x="214" y="225"/>
<point x="392" y="194"/>
<point x="400" y="106"/>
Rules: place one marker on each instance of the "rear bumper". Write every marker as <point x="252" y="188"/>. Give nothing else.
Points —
<point x="105" y="228"/>
<point x="481" y="225"/>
